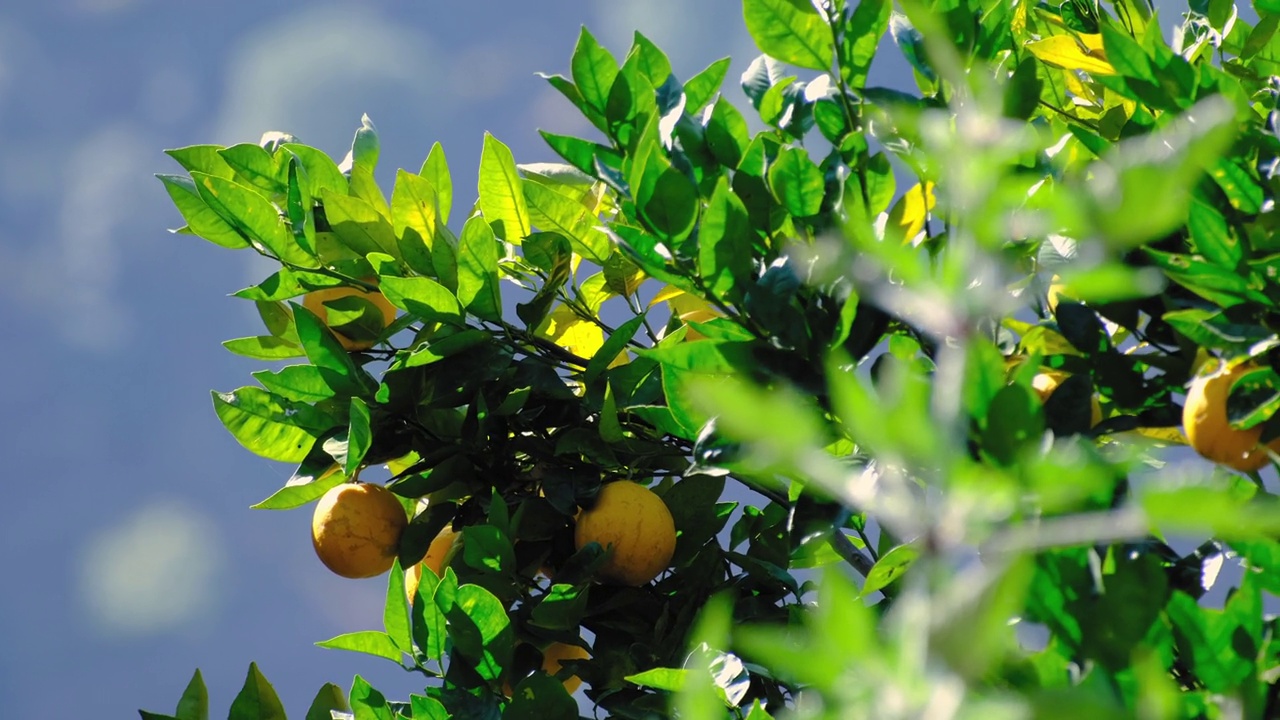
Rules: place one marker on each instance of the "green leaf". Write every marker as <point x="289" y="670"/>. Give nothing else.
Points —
<point x="593" y="69"/>
<point x="425" y="708"/>
<point x="265" y="424"/>
<point x="363" y="161"/>
<point x="727" y="133"/>
<point x="791" y="31"/>
<point x="881" y="184"/>
<point x="369" y="642"/>
<point x="502" y="197"/>
<point x="561" y="608"/>
<point x="671" y="209"/>
<point x="359" y="225"/>
<point x="862" y="33"/>
<point x="478" y="289"/>
<point x="890" y="567"/>
<point x="335" y="364"/>
<point x="725" y="244"/>
<point x="434" y="598"/>
<point x="436" y="171"/>
<point x="485" y="547"/>
<point x="300" y="383"/>
<point x="194" y="704"/>
<point x="668" y="679"/>
<point x="444" y="346"/>
<point x="252" y="216"/>
<point x="359" y="436"/>
<point x="369" y="704"/>
<point x="580" y="153"/>
<point x="395" y="611"/>
<point x="1224" y="287"/>
<point x="1125" y="55"/>
<point x="415" y="220"/>
<point x="255" y="165"/>
<point x="300" y="208"/>
<point x="481" y="630"/>
<point x="1242" y="190"/>
<point x="1212" y="329"/>
<point x="321" y="172"/>
<point x="302" y="489"/>
<point x="911" y="42"/>
<point x="797" y="183"/>
<point x="331" y="697"/>
<point x="700" y="88"/>
<point x="554" y="212"/>
<point x="1253" y="398"/>
<point x="540" y="697"/>
<point x="632" y="105"/>
<point x="264" y="347"/>
<point x="201" y="219"/>
<point x="651" y="60"/>
<point x="202" y="158"/>
<point x="613" y="345"/>
<point x="423" y="297"/>
<point x="257" y="699"/>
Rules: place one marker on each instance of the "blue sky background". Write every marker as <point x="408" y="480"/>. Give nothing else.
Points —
<point x="129" y="551"/>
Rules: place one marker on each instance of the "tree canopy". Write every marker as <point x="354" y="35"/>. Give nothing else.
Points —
<point x="905" y="369"/>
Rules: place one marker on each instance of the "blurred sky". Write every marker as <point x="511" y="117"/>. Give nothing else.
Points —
<point x="130" y="555"/>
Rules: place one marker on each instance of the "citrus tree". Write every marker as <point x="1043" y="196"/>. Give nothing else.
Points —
<point x="864" y="414"/>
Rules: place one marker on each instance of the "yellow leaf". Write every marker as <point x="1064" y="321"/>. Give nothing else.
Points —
<point x="912" y="210"/>
<point x="564" y="328"/>
<point x="1073" y="52"/>
<point x="1078" y="88"/>
<point x="666" y="293"/>
<point x="1171" y="435"/>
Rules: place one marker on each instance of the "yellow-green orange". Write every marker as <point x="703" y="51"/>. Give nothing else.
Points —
<point x="1204" y="419"/>
<point x="439" y="553"/>
<point x="635" y="526"/>
<point x="315" y="302"/>
<point x="1046" y="382"/>
<point x="356" y="529"/>
<point x="552" y="658"/>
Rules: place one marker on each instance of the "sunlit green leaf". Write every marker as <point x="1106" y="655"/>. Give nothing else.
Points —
<point x="792" y="31"/>
<point x="257" y="699"/>
<point x="502" y="197"/>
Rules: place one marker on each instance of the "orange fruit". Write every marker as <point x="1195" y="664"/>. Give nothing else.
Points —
<point x="356" y="529"/>
<point x="1204" y="419"/>
<point x="635" y="526"/>
<point x="439" y="553"/>
<point x="315" y="302"/>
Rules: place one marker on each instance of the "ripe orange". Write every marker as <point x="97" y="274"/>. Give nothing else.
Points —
<point x="315" y="302"/>
<point x="552" y="658"/>
<point x="1046" y="382"/>
<point x="439" y="553"/>
<point x="356" y="529"/>
<point x="636" y="527"/>
<point x="1204" y="419"/>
